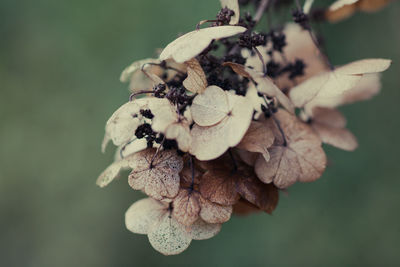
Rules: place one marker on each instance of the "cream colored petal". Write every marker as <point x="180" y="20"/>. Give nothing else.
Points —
<point x="180" y="132"/>
<point x="142" y="214"/>
<point x="214" y="213"/>
<point x="210" y="107"/>
<point x="169" y="237"/>
<point x="109" y="174"/>
<point x="164" y="114"/>
<point x="340" y="3"/>
<point x="193" y="43"/>
<point x="211" y="142"/>
<point x="364" y="66"/>
<point x="123" y="123"/>
<point x="201" y="230"/>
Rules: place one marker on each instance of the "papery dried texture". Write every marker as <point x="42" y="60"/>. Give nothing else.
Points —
<point x="121" y="126"/>
<point x="112" y="171"/>
<point x="196" y="81"/>
<point x="234" y="6"/>
<point x="210" y="107"/>
<point x="259" y="137"/>
<point x="263" y="84"/>
<point x="319" y="89"/>
<point x="219" y="186"/>
<point x="243" y="207"/>
<point x="189" y="205"/>
<point x="166" y="235"/>
<point x="210" y="142"/>
<point x="193" y="43"/>
<point x="263" y="196"/>
<point x="130" y="148"/>
<point x="299" y="157"/>
<point x="157" y="175"/>
<point x="330" y="124"/>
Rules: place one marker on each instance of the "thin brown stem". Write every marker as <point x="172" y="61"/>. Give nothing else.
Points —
<point x="260" y="10"/>
<point x="278" y="124"/>
<point x="139" y="93"/>
<point x="155" y="154"/>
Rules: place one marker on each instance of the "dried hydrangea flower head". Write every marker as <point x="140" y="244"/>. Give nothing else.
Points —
<point x="211" y="126"/>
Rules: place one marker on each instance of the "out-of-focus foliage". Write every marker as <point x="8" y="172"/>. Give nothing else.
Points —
<point x="60" y="63"/>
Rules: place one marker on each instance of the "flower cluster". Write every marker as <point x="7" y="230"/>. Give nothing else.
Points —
<point x="228" y="116"/>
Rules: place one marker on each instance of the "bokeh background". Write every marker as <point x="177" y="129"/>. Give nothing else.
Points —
<point x="59" y="68"/>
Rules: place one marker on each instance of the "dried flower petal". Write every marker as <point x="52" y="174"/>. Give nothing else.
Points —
<point x="159" y="179"/>
<point x="168" y="236"/>
<point x="193" y="43"/>
<point x="300" y="159"/>
<point x="135" y="66"/>
<point x="210" y="107"/>
<point x="329" y="85"/>
<point x="196" y="80"/>
<point x="212" y="141"/>
<point x="259" y="138"/>
<point x="201" y="230"/>
<point x="142" y="214"/>
<point x="329" y="125"/>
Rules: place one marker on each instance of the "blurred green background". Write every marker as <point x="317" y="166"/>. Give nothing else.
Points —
<point x="59" y="68"/>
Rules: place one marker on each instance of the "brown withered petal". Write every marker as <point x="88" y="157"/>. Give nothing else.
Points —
<point x="372" y="5"/>
<point x="264" y="196"/>
<point x="234" y="6"/>
<point x="196" y="80"/>
<point x="248" y="157"/>
<point x="210" y="107"/>
<point x="300" y="159"/>
<point x="193" y="43"/>
<point x="219" y="186"/>
<point x="214" y="213"/>
<point x="159" y="180"/>
<point x="243" y="207"/>
<point x="258" y="138"/>
<point x="186" y="207"/>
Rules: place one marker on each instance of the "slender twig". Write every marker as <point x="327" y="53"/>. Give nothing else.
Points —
<point x="260" y="10"/>
<point x="139" y="93"/>
<point x="155" y="154"/>
<point x="192" y="172"/>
